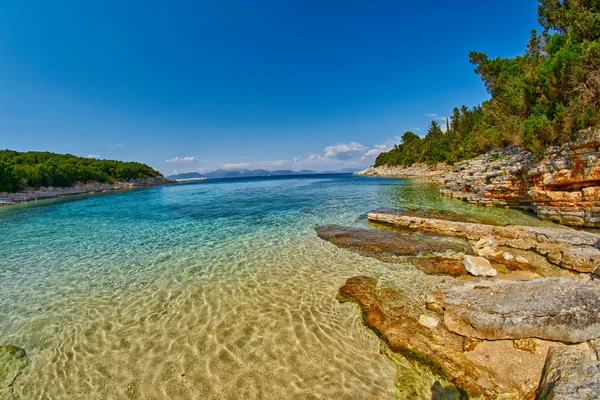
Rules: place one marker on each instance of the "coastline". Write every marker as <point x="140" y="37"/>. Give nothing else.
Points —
<point x="562" y="185"/>
<point x="430" y="173"/>
<point x="511" y="307"/>
<point x="8" y="199"/>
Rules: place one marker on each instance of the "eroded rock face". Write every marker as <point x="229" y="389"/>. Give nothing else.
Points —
<point x="555" y="309"/>
<point x="396" y="320"/>
<point x="563" y="186"/>
<point x="420" y="171"/>
<point x="570" y="373"/>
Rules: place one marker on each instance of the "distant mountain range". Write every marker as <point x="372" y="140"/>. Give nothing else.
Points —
<point x="247" y="173"/>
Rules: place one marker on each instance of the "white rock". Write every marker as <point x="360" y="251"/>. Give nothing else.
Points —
<point x="488" y="241"/>
<point x="522" y="260"/>
<point x="488" y="252"/>
<point x="479" y="266"/>
<point x="428" y="321"/>
<point x="507" y="256"/>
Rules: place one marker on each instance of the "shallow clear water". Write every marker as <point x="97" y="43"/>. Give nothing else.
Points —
<point x="215" y="289"/>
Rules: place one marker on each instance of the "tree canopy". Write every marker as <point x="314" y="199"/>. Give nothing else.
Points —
<point x="541" y="98"/>
<point x="36" y="169"/>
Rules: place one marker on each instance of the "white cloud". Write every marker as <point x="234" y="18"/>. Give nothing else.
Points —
<point x="374" y="152"/>
<point x="93" y="156"/>
<point x="344" y="151"/>
<point x="431" y="115"/>
<point x="184" y="159"/>
<point x="345" y="154"/>
<point x="119" y="144"/>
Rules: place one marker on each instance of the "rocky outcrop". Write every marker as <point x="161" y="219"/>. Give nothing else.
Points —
<point x="12" y="361"/>
<point x="426" y="172"/>
<point x="495" y="370"/>
<point x="556" y="309"/>
<point x="570" y="373"/>
<point x="387" y="245"/>
<point x="84" y="188"/>
<point x="562" y="186"/>
<point x="564" y="247"/>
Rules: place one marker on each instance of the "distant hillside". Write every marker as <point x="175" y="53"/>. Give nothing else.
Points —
<point x="247" y="173"/>
<point x="33" y="169"/>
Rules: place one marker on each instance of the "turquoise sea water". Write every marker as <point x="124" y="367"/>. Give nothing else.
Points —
<point x="213" y="289"/>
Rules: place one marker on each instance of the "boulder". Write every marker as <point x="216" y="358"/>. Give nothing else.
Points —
<point x="479" y="266"/>
<point x="570" y="373"/>
<point x="557" y="309"/>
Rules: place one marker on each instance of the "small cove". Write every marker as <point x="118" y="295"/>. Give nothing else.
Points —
<point x="214" y="289"/>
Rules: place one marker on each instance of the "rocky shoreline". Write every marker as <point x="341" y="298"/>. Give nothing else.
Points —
<point x="515" y="312"/>
<point x="79" y="189"/>
<point x="562" y="185"/>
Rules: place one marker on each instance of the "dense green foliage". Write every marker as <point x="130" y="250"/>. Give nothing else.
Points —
<point x="36" y="169"/>
<point x="541" y="98"/>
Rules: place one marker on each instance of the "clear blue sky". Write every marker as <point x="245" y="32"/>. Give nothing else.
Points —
<point x="260" y="84"/>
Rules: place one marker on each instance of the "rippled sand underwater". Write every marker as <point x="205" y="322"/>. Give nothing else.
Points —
<point x="203" y="291"/>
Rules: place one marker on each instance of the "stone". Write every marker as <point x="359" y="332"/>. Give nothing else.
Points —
<point x="479" y="266"/>
<point x="12" y="361"/>
<point x="557" y="309"/>
<point x="488" y="252"/>
<point x="489" y="241"/>
<point x="570" y="373"/>
<point x="522" y="260"/>
<point x="507" y="256"/>
<point x="429" y="321"/>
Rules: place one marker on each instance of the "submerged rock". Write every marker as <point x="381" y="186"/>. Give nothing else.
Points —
<point x="433" y="265"/>
<point x="570" y="372"/>
<point x="387" y="245"/>
<point x="556" y="309"/>
<point x="12" y="361"/>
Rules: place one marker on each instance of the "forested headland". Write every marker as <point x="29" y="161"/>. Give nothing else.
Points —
<point x="33" y="169"/>
<point x="541" y="98"/>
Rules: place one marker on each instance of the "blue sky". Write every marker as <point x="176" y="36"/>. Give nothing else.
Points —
<point x="200" y="85"/>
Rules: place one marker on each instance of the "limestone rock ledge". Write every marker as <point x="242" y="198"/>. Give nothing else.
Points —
<point x="556" y="309"/>
<point x="562" y="186"/>
<point x="434" y="174"/>
<point x="396" y="321"/>
<point x="567" y="248"/>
